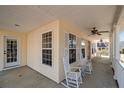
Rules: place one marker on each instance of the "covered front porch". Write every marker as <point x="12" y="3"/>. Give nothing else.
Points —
<point x="32" y="47"/>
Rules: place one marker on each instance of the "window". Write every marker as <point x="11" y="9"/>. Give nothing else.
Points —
<point x="123" y="51"/>
<point x="72" y="48"/>
<point x="92" y="50"/>
<point x="83" y="52"/>
<point x="47" y="48"/>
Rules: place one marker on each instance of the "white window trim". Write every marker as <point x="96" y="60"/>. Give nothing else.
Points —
<point x="18" y="50"/>
<point x="47" y="48"/>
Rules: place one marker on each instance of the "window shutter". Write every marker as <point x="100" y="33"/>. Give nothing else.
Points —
<point x="66" y="47"/>
<point x="78" y="49"/>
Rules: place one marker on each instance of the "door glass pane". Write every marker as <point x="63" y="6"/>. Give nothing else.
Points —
<point x="11" y="50"/>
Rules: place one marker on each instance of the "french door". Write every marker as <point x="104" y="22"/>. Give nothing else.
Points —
<point x="11" y="51"/>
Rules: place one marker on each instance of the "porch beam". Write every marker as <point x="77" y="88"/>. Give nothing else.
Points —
<point x="117" y="16"/>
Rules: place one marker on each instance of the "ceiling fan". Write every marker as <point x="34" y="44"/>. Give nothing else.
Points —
<point x="94" y="31"/>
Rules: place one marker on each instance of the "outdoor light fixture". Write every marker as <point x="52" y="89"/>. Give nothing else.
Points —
<point x="82" y="43"/>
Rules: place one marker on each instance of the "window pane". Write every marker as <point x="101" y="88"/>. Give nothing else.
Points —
<point x="47" y="39"/>
<point x="72" y="41"/>
<point x="43" y="40"/>
<point x="47" y="57"/>
<point x="72" y="55"/>
<point x="83" y="53"/>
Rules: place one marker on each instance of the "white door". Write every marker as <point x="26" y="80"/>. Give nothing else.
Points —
<point x="11" y="51"/>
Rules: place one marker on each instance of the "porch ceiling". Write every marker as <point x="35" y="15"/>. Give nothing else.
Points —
<point x="83" y="16"/>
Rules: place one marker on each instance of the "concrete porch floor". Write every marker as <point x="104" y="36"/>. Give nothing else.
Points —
<point x="102" y="75"/>
<point x="25" y="77"/>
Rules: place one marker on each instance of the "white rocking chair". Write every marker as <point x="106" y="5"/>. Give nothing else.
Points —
<point x="86" y="66"/>
<point x="88" y="69"/>
<point x="72" y="74"/>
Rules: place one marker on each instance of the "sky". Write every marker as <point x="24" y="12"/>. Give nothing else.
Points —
<point x="121" y="36"/>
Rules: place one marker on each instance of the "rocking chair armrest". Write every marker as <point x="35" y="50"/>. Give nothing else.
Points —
<point x="76" y="68"/>
<point x="73" y="75"/>
<point x="73" y="72"/>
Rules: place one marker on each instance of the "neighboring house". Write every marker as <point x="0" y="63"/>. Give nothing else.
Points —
<point x="122" y="50"/>
<point x="121" y="47"/>
<point x="103" y="48"/>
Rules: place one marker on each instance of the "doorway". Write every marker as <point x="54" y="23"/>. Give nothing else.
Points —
<point x="11" y="51"/>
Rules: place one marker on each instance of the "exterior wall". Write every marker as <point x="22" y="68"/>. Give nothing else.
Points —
<point x="22" y="50"/>
<point x="34" y="53"/>
<point x="68" y="28"/>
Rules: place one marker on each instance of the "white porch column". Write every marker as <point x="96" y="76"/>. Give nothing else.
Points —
<point x="117" y="43"/>
<point x="1" y="52"/>
<point x="116" y="49"/>
<point x="111" y="46"/>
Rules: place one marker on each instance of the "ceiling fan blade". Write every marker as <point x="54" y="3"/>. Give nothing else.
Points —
<point x="103" y="31"/>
